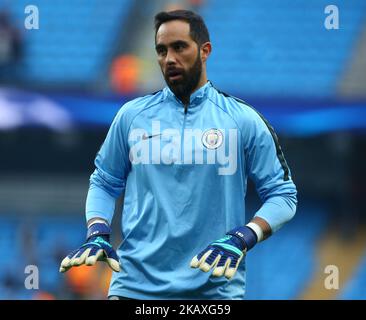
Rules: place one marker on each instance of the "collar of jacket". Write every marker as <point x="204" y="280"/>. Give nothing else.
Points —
<point x="196" y="97"/>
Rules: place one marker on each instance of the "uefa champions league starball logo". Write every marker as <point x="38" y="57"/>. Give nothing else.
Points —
<point x="212" y="138"/>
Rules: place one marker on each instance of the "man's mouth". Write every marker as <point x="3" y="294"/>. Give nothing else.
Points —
<point x="174" y="74"/>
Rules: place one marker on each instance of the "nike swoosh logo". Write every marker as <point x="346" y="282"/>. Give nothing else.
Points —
<point x="145" y="137"/>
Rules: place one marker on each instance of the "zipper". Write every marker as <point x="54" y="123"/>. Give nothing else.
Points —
<point x="186" y="108"/>
<point x="182" y="133"/>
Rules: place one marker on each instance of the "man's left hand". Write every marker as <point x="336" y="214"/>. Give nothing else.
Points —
<point x="225" y="254"/>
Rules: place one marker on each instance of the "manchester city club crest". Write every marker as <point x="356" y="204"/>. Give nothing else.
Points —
<point x="212" y="138"/>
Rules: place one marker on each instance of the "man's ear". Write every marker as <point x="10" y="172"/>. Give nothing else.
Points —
<point x="206" y="49"/>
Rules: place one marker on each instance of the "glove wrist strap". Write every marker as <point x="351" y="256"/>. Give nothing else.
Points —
<point x="98" y="229"/>
<point x="246" y="235"/>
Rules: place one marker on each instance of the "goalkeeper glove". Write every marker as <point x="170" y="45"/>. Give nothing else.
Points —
<point x="225" y="254"/>
<point x="96" y="248"/>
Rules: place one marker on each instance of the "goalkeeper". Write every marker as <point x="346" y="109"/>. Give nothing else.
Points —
<point x="183" y="223"/>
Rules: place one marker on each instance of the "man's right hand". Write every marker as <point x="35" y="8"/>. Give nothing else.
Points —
<point x="96" y="248"/>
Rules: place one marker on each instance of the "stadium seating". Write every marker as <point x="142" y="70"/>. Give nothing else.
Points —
<point x="355" y="288"/>
<point x="281" y="50"/>
<point x="40" y="241"/>
<point x="74" y="41"/>
<point x="280" y="260"/>
<point x="266" y="48"/>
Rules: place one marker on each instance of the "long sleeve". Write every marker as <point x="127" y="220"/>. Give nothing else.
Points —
<point x="268" y="169"/>
<point x="112" y="164"/>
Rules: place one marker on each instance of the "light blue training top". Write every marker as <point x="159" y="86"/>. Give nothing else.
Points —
<point x="184" y="175"/>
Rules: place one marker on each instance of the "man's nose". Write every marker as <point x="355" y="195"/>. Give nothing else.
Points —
<point x="170" y="57"/>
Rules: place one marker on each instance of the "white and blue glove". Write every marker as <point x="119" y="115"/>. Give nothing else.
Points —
<point x="225" y="254"/>
<point x="96" y="248"/>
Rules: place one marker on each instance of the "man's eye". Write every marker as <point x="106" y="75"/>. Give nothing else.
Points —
<point x="161" y="51"/>
<point x="179" y="47"/>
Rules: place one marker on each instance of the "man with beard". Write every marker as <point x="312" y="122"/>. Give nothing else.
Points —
<point x="182" y="157"/>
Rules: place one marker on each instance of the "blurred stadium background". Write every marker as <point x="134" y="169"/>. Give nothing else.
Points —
<point x="61" y="85"/>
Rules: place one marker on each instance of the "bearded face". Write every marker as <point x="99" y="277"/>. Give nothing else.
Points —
<point x="183" y="82"/>
<point x="179" y="58"/>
